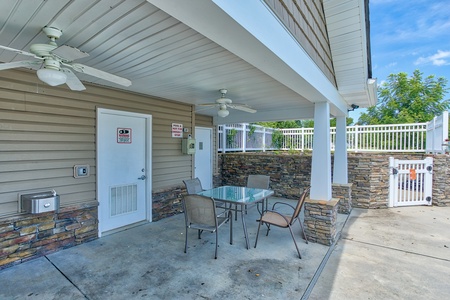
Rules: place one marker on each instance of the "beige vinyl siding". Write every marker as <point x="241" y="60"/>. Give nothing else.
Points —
<point x="305" y="20"/>
<point x="45" y="131"/>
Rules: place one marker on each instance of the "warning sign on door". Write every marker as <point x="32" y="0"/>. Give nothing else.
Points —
<point x="124" y="135"/>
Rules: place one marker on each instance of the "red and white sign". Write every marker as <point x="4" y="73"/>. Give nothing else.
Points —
<point x="177" y="130"/>
<point x="124" y="135"/>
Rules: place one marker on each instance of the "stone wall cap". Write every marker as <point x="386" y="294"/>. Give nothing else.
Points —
<point x="343" y="184"/>
<point x="332" y="202"/>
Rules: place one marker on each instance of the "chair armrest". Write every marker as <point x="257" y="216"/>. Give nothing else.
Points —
<point x="282" y="203"/>
<point x="281" y="215"/>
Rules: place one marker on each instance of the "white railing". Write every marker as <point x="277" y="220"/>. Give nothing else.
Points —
<point x="437" y="134"/>
<point x="376" y="138"/>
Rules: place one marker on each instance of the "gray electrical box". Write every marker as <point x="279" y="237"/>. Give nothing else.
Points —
<point x="80" y="171"/>
<point x="39" y="202"/>
<point x="188" y="146"/>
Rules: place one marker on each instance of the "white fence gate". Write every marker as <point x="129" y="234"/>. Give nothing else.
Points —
<point x="410" y="182"/>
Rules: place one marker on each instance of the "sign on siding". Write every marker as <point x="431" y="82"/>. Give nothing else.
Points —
<point x="177" y="130"/>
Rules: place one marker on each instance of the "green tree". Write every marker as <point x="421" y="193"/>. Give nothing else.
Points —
<point x="407" y="100"/>
<point x="280" y="124"/>
<point x="298" y="123"/>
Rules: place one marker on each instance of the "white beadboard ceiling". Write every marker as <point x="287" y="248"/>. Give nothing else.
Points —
<point x="166" y="58"/>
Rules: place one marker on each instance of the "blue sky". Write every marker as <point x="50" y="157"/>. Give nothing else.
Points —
<point x="409" y="35"/>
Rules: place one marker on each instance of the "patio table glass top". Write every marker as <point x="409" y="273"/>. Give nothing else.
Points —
<point x="237" y="194"/>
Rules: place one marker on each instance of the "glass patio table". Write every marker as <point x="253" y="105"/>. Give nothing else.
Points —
<point x="238" y="195"/>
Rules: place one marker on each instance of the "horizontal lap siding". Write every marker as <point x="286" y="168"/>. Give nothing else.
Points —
<point x="305" y="20"/>
<point x="45" y="131"/>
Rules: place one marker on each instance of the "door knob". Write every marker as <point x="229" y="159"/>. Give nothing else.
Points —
<point x="143" y="177"/>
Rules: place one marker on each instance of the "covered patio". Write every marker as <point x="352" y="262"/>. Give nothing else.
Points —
<point x="283" y="59"/>
<point x="148" y="262"/>
<point x="378" y="255"/>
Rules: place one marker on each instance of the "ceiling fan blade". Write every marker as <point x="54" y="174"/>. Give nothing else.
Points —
<point x="100" y="74"/>
<point x="69" y="53"/>
<point x="208" y="104"/>
<point x="72" y="80"/>
<point x="243" y="108"/>
<point x="18" y="51"/>
<point x="33" y="64"/>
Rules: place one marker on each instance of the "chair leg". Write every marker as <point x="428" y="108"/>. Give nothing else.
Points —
<point x="230" y="218"/>
<point x="293" y="238"/>
<point x="185" y="241"/>
<point x="268" y="228"/>
<point x="257" y="233"/>
<point x="217" y="241"/>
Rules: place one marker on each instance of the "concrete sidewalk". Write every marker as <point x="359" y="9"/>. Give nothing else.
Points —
<point x="399" y="253"/>
<point x="396" y="253"/>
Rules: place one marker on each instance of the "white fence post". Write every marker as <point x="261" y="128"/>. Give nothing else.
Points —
<point x="244" y="137"/>
<point x="437" y="133"/>
<point x="392" y="181"/>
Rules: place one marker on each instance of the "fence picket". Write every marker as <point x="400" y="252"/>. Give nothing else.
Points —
<point x="360" y="138"/>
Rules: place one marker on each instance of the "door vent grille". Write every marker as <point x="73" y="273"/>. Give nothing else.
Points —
<point x="123" y="199"/>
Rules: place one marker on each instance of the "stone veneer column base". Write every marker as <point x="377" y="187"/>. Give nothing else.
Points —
<point x="343" y="192"/>
<point x="320" y="220"/>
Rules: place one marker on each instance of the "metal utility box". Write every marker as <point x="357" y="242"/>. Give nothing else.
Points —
<point x="188" y="146"/>
<point x="39" y="202"/>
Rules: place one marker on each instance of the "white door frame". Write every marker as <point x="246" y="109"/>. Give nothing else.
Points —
<point x="210" y="151"/>
<point x="148" y="160"/>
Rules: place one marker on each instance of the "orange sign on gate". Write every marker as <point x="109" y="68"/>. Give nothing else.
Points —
<point x="412" y="174"/>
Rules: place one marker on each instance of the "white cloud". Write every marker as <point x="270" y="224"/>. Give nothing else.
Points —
<point x="392" y="64"/>
<point x="441" y="58"/>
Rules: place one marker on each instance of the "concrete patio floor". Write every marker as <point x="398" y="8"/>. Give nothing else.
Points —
<point x="383" y="254"/>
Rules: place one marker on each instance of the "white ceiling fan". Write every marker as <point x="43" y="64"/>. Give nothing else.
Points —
<point x="53" y="61"/>
<point x="223" y="103"/>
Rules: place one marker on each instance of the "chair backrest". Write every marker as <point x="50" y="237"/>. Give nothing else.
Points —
<point x="300" y="202"/>
<point x="199" y="210"/>
<point x="258" y="181"/>
<point x="193" y="186"/>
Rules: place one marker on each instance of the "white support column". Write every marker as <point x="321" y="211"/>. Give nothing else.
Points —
<point x="321" y="156"/>
<point x="340" y="170"/>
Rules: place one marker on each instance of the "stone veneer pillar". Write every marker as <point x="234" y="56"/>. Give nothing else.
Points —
<point x="320" y="220"/>
<point x="343" y="192"/>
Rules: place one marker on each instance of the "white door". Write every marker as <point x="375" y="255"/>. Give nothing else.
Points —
<point x="203" y="156"/>
<point x="124" y="168"/>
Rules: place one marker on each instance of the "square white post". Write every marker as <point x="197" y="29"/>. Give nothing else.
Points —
<point x="321" y="154"/>
<point x="340" y="170"/>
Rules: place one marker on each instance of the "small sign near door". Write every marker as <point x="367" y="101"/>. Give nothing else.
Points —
<point x="177" y="130"/>
<point x="124" y="135"/>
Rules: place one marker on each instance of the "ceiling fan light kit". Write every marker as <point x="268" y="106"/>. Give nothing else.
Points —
<point x="51" y="77"/>
<point x="223" y="112"/>
<point x="55" y="59"/>
<point x="223" y="103"/>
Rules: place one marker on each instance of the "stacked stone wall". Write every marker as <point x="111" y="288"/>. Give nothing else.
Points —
<point x="28" y="236"/>
<point x="367" y="172"/>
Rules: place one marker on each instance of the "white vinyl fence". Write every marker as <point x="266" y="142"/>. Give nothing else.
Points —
<point x="370" y="138"/>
